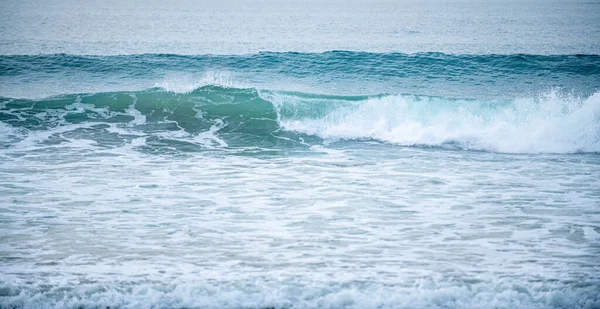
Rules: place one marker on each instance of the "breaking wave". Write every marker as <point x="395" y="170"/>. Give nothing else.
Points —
<point x="230" y="117"/>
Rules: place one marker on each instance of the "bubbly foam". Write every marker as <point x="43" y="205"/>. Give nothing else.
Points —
<point x="548" y="124"/>
<point x="260" y="294"/>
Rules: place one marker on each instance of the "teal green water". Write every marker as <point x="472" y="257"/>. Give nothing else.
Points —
<point x="336" y="72"/>
<point x="261" y="154"/>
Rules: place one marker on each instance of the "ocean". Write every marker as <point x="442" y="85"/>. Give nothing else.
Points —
<point x="299" y="154"/>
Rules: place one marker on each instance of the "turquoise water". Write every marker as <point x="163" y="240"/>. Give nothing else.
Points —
<point x="498" y="103"/>
<point x="320" y="155"/>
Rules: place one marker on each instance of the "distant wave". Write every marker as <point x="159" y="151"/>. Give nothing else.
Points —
<point x="334" y="72"/>
<point x="365" y="63"/>
<point x="221" y="116"/>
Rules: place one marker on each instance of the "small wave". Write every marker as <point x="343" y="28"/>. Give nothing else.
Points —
<point x="187" y="83"/>
<point x="333" y="72"/>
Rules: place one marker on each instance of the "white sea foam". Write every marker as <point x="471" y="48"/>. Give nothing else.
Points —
<point x="7" y="133"/>
<point x="367" y="226"/>
<point x="138" y="117"/>
<point x="261" y="294"/>
<point x="549" y="124"/>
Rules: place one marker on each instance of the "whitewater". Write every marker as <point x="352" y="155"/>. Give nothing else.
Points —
<point x="299" y="154"/>
<point x="227" y="191"/>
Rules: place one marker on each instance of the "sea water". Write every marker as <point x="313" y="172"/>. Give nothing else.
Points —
<point x="265" y="154"/>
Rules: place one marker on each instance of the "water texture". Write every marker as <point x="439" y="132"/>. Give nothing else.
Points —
<point x="299" y="155"/>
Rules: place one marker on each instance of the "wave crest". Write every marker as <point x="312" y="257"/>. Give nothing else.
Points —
<point x="189" y="83"/>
